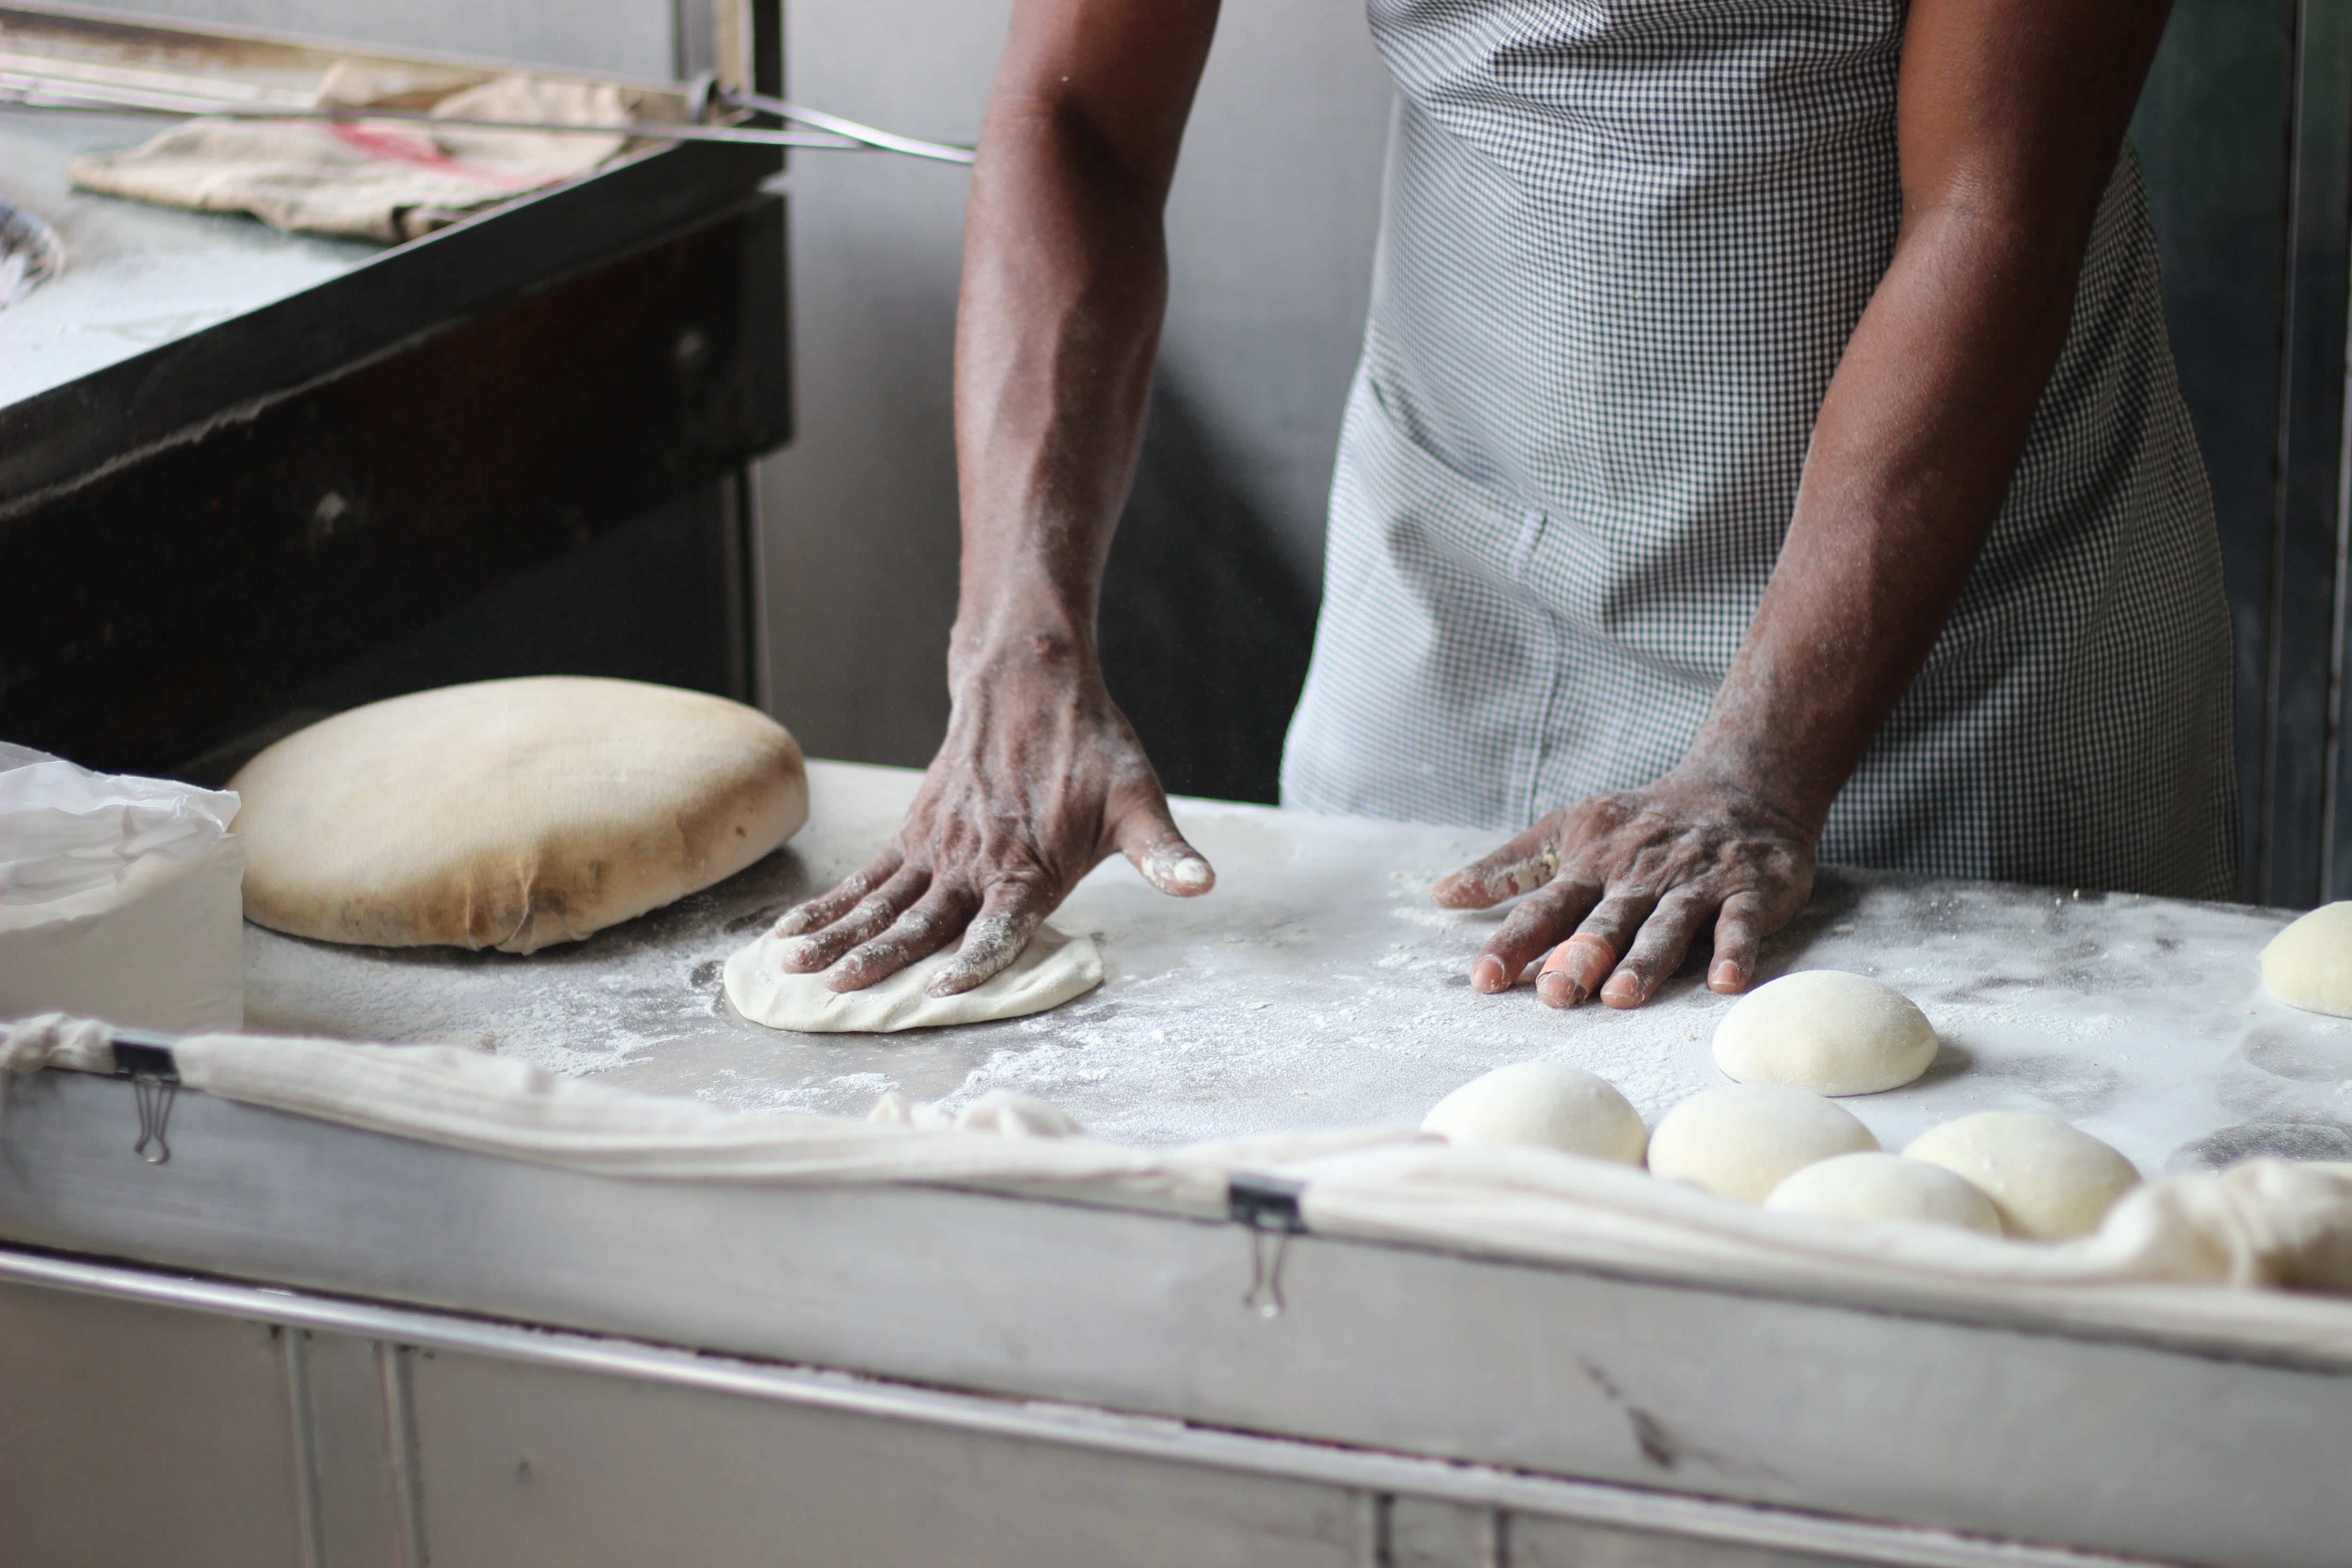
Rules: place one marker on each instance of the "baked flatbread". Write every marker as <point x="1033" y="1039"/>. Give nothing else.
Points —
<point x="510" y="813"/>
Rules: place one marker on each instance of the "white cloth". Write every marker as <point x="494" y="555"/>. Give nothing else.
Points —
<point x="2269" y="1228"/>
<point x="465" y="1100"/>
<point x="1000" y="1111"/>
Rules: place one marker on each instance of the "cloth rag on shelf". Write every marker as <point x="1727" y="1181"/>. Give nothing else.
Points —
<point x="383" y="179"/>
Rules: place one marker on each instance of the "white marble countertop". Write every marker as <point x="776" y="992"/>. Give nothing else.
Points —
<point x="1317" y="986"/>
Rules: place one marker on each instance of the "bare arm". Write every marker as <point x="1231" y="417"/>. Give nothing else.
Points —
<point x="1064" y="282"/>
<point x="2010" y="117"/>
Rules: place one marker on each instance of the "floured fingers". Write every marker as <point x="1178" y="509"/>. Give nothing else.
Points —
<point x="922" y="931"/>
<point x="1522" y="866"/>
<point x="840" y="898"/>
<point x="868" y="917"/>
<point x="1577" y="967"/>
<point x="1008" y="916"/>
<point x="1151" y="844"/>
<point x="1740" y="931"/>
<point x="1529" y="930"/>
<point x="1658" y="948"/>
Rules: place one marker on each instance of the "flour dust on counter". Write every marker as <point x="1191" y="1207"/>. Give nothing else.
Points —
<point x="1318" y="987"/>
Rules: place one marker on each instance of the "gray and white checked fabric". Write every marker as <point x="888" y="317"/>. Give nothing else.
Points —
<point x="1624" y="244"/>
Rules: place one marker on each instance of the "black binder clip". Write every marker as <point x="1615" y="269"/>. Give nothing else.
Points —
<point x="146" y="1061"/>
<point x="1265" y="1203"/>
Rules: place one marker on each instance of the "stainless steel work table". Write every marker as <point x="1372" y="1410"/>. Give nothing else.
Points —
<point x="858" y="1372"/>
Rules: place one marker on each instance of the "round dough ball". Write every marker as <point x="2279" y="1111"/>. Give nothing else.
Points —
<point x="2309" y="964"/>
<point x="1827" y="1031"/>
<point x="510" y="813"/>
<point x="2046" y="1180"/>
<point x="1547" y="1104"/>
<point x="1745" y="1139"/>
<point x="1885" y="1186"/>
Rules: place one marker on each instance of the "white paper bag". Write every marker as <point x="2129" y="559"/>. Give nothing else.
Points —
<point x="120" y="899"/>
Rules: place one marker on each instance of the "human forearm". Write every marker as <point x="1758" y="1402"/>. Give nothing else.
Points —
<point x="1039" y="777"/>
<point x="1909" y="464"/>
<point x="1895" y="500"/>
<point x="2011" y="113"/>
<point x="1064" y="284"/>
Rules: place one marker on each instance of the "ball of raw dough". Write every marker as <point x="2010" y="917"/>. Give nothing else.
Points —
<point x="1547" y="1104"/>
<point x="1885" y="1186"/>
<point x="2046" y="1180"/>
<point x="2309" y="964"/>
<point x="1745" y="1139"/>
<point x="510" y="813"/>
<point x="1830" y="1032"/>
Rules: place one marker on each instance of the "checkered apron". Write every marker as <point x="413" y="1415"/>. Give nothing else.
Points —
<point x="1623" y="246"/>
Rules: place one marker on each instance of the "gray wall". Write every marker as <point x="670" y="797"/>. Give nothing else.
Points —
<point x="1271" y="230"/>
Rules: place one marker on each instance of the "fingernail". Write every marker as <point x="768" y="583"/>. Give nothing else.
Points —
<point x="1559" y="989"/>
<point x="1180" y="870"/>
<point x="1726" y="976"/>
<point x="1623" y="990"/>
<point x="1446" y="886"/>
<point x="797" y="954"/>
<point x="1487" y="975"/>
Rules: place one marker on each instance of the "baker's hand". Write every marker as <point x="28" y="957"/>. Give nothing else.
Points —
<point x="1041" y="779"/>
<point x="1627" y="882"/>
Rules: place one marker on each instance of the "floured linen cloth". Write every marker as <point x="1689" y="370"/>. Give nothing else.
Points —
<point x="382" y="179"/>
<point x="465" y="1100"/>
<point x="2277" y="1231"/>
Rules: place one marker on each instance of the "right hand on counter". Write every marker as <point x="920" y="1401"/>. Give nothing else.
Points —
<point x="1064" y="282"/>
<point x="1040" y="780"/>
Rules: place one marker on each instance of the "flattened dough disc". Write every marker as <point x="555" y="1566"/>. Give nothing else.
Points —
<point x="1053" y="969"/>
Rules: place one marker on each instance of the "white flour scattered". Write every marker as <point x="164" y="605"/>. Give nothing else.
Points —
<point x="1316" y="986"/>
